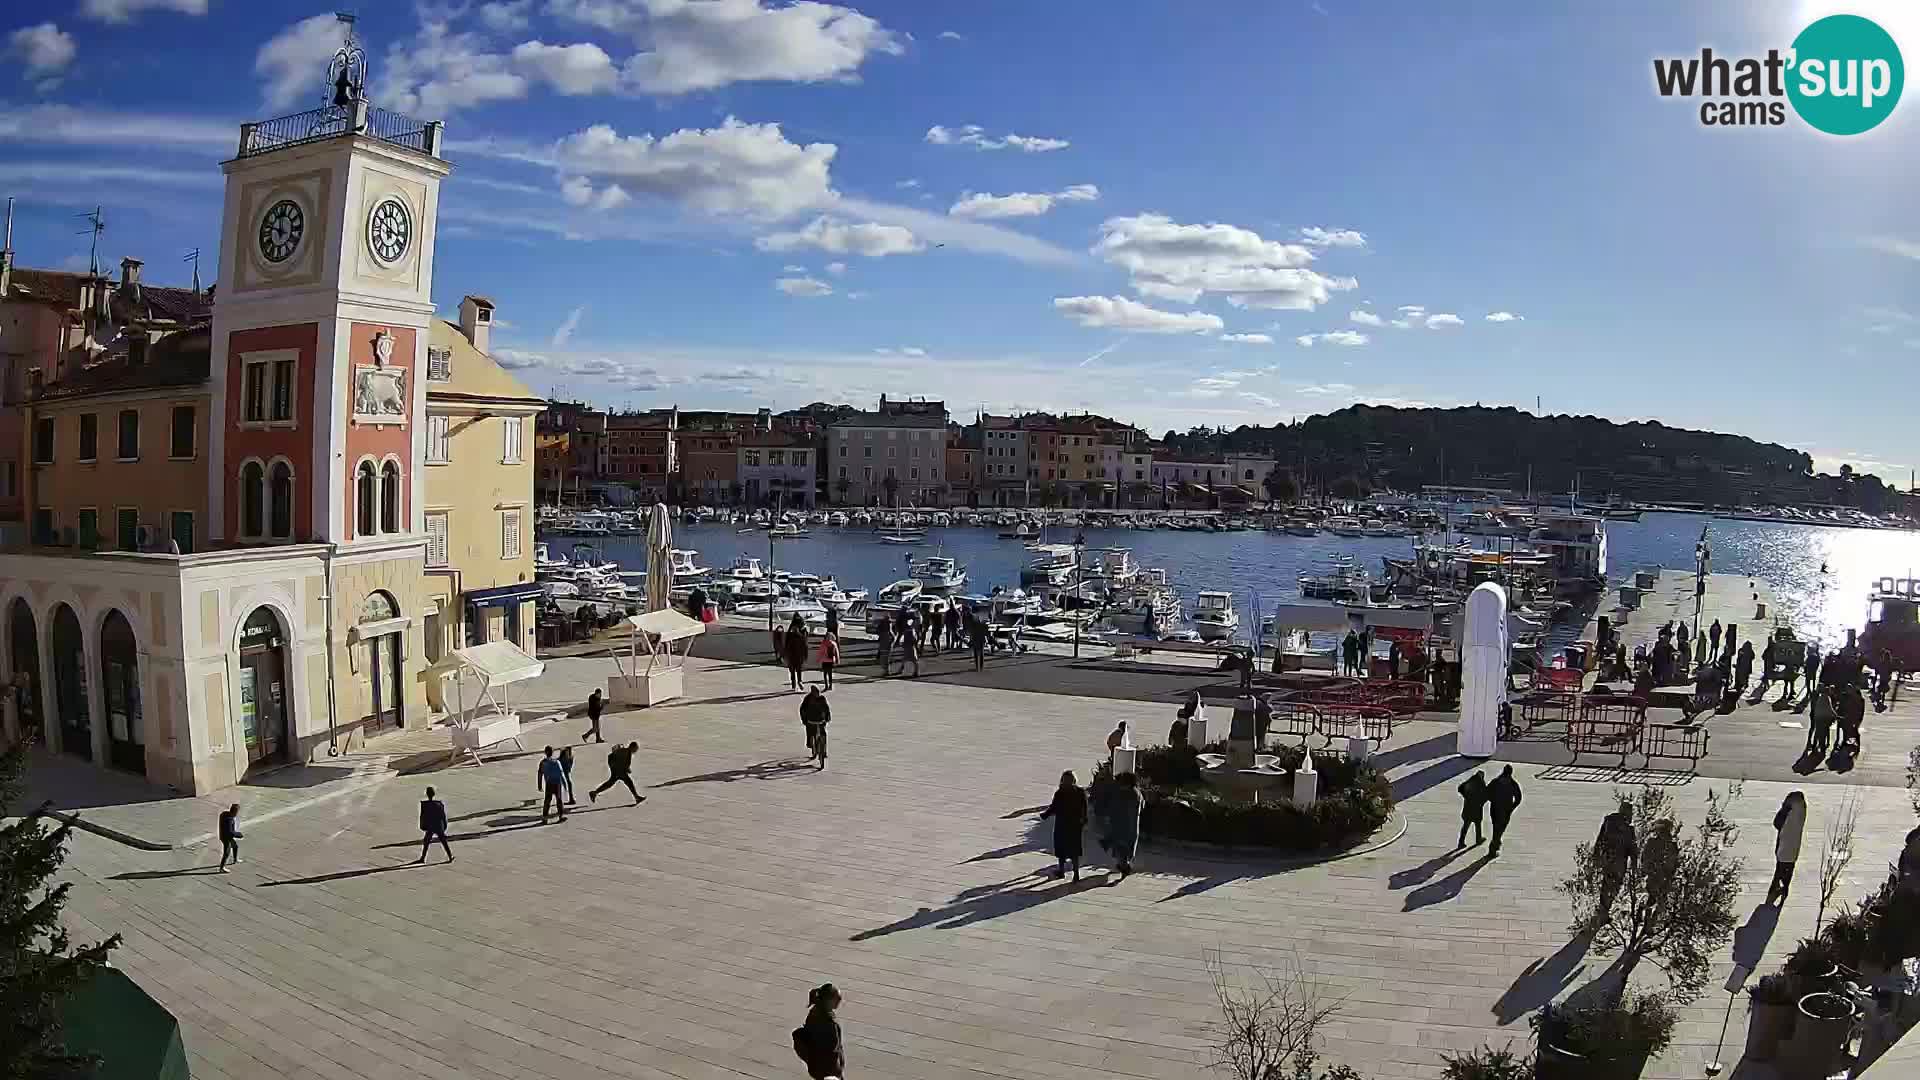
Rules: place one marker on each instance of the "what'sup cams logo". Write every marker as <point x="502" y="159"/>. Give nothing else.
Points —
<point x="1842" y="75"/>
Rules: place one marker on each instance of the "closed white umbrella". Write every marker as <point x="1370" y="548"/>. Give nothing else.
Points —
<point x="659" y="572"/>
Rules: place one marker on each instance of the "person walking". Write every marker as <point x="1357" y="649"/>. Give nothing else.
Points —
<point x="1713" y="637"/>
<point x="230" y="835"/>
<point x="620" y="771"/>
<point x="1119" y="739"/>
<point x="1069" y="813"/>
<point x="566" y="771"/>
<point x="1503" y="796"/>
<point x="883" y="647"/>
<point x="817" y="1041"/>
<point x="1788" y="825"/>
<point x="1743" y="668"/>
<point x="796" y="650"/>
<point x="1769" y="662"/>
<point x="1683" y="654"/>
<point x="833" y="621"/>
<point x="551" y="781"/>
<point x="815" y="714"/>
<point x="1616" y="846"/>
<point x="977" y="637"/>
<point x="1659" y="865"/>
<point x="433" y="826"/>
<point x="1350" y="654"/>
<point x="829" y="658"/>
<point x="953" y="627"/>
<point x="1123" y="806"/>
<point x="594" y="706"/>
<point x="910" y="653"/>
<point x="1473" y="803"/>
<point x="1812" y="667"/>
<point x="1791" y="656"/>
<point x="1393" y="659"/>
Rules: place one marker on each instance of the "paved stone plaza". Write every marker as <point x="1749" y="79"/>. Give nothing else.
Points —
<point x="677" y="939"/>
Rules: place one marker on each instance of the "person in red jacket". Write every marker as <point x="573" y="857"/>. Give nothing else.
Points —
<point x="829" y="657"/>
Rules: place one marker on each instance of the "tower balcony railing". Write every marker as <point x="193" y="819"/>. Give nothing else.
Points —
<point x="332" y="121"/>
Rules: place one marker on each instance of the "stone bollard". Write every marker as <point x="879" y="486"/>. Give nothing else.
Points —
<point x="1306" y="782"/>
<point x="1123" y="760"/>
<point x="1197" y="729"/>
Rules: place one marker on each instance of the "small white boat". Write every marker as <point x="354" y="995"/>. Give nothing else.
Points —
<point x="901" y="592"/>
<point x="786" y="530"/>
<point x="1214" y="618"/>
<point x="1301" y="527"/>
<point x="685" y="565"/>
<point x="746" y="568"/>
<point x="903" y="537"/>
<point x="1346" y="526"/>
<point x="1023" y="531"/>
<point x="939" y="572"/>
<point x="837" y="517"/>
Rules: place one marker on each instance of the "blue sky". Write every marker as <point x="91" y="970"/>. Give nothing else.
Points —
<point x="1142" y="209"/>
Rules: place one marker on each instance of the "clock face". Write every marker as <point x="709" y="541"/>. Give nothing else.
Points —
<point x="389" y="230"/>
<point x="280" y="230"/>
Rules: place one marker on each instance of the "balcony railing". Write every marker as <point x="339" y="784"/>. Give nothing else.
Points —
<point x="330" y="121"/>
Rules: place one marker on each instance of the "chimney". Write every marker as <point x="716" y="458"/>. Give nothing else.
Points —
<point x="766" y="419"/>
<point x="476" y="321"/>
<point x="130" y="279"/>
<point x="136" y="347"/>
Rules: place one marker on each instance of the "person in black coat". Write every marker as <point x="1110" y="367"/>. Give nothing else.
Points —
<point x="815" y="714"/>
<point x="818" y="1040"/>
<point x="595" y="705"/>
<point x="883" y="646"/>
<point x="1069" y="813"/>
<point x="795" y="647"/>
<point x="620" y="771"/>
<point x="1503" y="796"/>
<point x="433" y="823"/>
<point x="230" y="836"/>
<point x="1473" y="804"/>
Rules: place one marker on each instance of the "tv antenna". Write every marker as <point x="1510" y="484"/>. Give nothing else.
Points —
<point x="194" y="258"/>
<point x="97" y="224"/>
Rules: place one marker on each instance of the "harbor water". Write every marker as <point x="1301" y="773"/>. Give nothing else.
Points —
<point x="1820" y="575"/>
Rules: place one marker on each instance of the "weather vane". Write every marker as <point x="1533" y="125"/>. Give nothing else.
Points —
<point x="347" y="74"/>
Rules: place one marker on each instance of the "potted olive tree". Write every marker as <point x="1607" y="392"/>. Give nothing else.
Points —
<point x="1672" y="906"/>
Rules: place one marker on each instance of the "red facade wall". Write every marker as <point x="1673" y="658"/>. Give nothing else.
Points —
<point x="293" y="443"/>
<point x="378" y="441"/>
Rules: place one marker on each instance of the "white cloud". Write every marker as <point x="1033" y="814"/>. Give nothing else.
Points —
<point x="1440" y="319"/>
<point x="974" y="204"/>
<point x="67" y="175"/>
<point x="844" y="238"/>
<point x="1238" y="264"/>
<point x="1349" y="338"/>
<point x="505" y="15"/>
<point x="1505" y="316"/>
<point x="734" y="168"/>
<point x="707" y="44"/>
<point x="856" y="295"/>
<point x="1894" y="245"/>
<point x="792" y="268"/>
<point x="1315" y="236"/>
<point x="803" y="286"/>
<point x="1893" y="314"/>
<point x="1161" y="290"/>
<point x="564" y="333"/>
<point x="1365" y="318"/>
<point x="569" y="69"/>
<point x="579" y="191"/>
<point x="293" y="63"/>
<point x="63" y="124"/>
<point x="440" y="71"/>
<point x="976" y="136"/>
<point x="1120" y="313"/>
<point x="1248" y="339"/>
<point x="1413" y="311"/>
<point x="836" y="268"/>
<point x="912" y="350"/>
<point x="119" y="11"/>
<point x="44" y="49"/>
<point x="951" y="35"/>
<point x="960" y="233"/>
<point x="1261" y="400"/>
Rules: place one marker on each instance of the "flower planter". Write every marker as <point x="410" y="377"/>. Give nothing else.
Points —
<point x="1767" y="1027"/>
<point x="1558" y="1063"/>
<point x="1819" y="1039"/>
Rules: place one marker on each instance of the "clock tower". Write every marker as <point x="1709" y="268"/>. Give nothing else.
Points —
<point x="321" y="324"/>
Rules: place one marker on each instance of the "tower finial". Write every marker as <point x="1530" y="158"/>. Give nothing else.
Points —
<point x="347" y="74"/>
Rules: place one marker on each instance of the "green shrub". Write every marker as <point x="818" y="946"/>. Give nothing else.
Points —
<point x="1848" y="935"/>
<point x="1639" y="1027"/>
<point x="1812" y="959"/>
<point x="1355" y="799"/>
<point x="1486" y="1063"/>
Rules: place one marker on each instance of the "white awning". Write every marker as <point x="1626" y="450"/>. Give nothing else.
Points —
<point x="1345" y="616"/>
<point x="666" y="625"/>
<point x="500" y="662"/>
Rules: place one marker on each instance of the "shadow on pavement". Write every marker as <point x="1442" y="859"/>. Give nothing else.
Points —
<point x="149" y="875"/>
<point x="1447" y="887"/>
<point x="1751" y="939"/>
<point x="1406" y="787"/>
<point x="1405" y="879"/>
<point x="984" y="903"/>
<point x="454" y="838"/>
<point x="1542" y="981"/>
<point x="319" y="879"/>
<point x="765" y="770"/>
<point x="1424" y="750"/>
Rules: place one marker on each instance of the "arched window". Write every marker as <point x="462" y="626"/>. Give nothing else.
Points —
<point x="366" y="498"/>
<point x="252" y="488"/>
<point x="280" y="500"/>
<point x="390" y="497"/>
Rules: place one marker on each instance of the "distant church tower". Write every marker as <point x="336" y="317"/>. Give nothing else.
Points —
<point x="321" y="323"/>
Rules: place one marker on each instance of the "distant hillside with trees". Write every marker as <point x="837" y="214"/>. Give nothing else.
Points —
<point x="1366" y="447"/>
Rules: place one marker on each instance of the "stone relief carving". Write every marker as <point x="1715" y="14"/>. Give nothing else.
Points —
<point x="379" y="391"/>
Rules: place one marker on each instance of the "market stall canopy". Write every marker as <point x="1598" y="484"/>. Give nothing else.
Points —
<point x="134" y="1036"/>
<point x="500" y="662"/>
<point x="1340" y="617"/>
<point x="666" y="625"/>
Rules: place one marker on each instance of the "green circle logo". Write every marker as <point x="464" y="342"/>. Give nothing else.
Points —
<point x="1846" y="75"/>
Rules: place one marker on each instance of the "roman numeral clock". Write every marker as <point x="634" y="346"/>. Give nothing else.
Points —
<point x="280" y="230"/>
<point x="389" y="230"/>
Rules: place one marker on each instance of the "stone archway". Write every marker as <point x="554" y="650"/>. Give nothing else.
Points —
<point x="120" y="694"/>
<point x="23" y="651"/>
<point x="70" y="683"/>
<point x="266" y="700"/>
